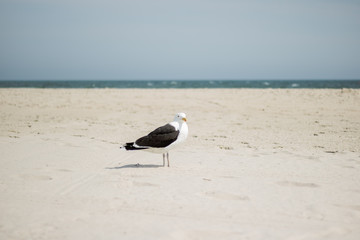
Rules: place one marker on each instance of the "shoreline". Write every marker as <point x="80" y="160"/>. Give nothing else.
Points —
<point x="185" y="84"/>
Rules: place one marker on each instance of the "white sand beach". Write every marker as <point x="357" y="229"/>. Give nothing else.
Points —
<point x="258" y="164"/>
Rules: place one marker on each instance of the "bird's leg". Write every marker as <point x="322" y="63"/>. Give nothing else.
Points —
<point x="163" y="159"/>
<point x="167" y="155"/>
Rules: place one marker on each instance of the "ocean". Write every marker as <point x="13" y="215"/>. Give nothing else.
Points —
<point x="335" y="84"/>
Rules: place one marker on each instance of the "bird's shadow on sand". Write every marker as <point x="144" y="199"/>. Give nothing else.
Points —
<point x="136" y="166"/>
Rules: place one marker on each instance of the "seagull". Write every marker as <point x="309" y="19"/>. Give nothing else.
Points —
<point x="162" y="139"/>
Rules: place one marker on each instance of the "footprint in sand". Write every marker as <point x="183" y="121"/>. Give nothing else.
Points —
<point x="225" y="147"/>
<point x="64" y="170"/>
<point x="352" y="207"/>
<point x="297" y="184"/>
<point x="36" y="177"/>
<point x="144" y="184"/>
<point x="227" y="196"/>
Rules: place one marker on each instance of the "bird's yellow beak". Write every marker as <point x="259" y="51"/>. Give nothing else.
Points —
<point x="184" y="119"/>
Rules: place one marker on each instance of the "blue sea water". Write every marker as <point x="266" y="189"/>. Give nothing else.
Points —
<point x="337" y="84"/>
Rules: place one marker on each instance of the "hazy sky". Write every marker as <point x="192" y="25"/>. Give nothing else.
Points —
<point x="179" y="39"/>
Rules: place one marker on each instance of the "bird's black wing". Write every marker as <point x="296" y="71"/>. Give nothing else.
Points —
<point x="159" y="138"/>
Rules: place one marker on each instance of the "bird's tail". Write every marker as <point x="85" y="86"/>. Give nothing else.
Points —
<point x="130" y="146"/>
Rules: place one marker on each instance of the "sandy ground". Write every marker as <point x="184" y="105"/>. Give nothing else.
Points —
<point x="258" y="164"/>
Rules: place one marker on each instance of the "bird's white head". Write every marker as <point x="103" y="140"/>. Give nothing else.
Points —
<point x="180" y="117"/>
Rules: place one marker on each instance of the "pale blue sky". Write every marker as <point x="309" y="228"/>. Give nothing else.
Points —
<point x="179" y="39"/>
